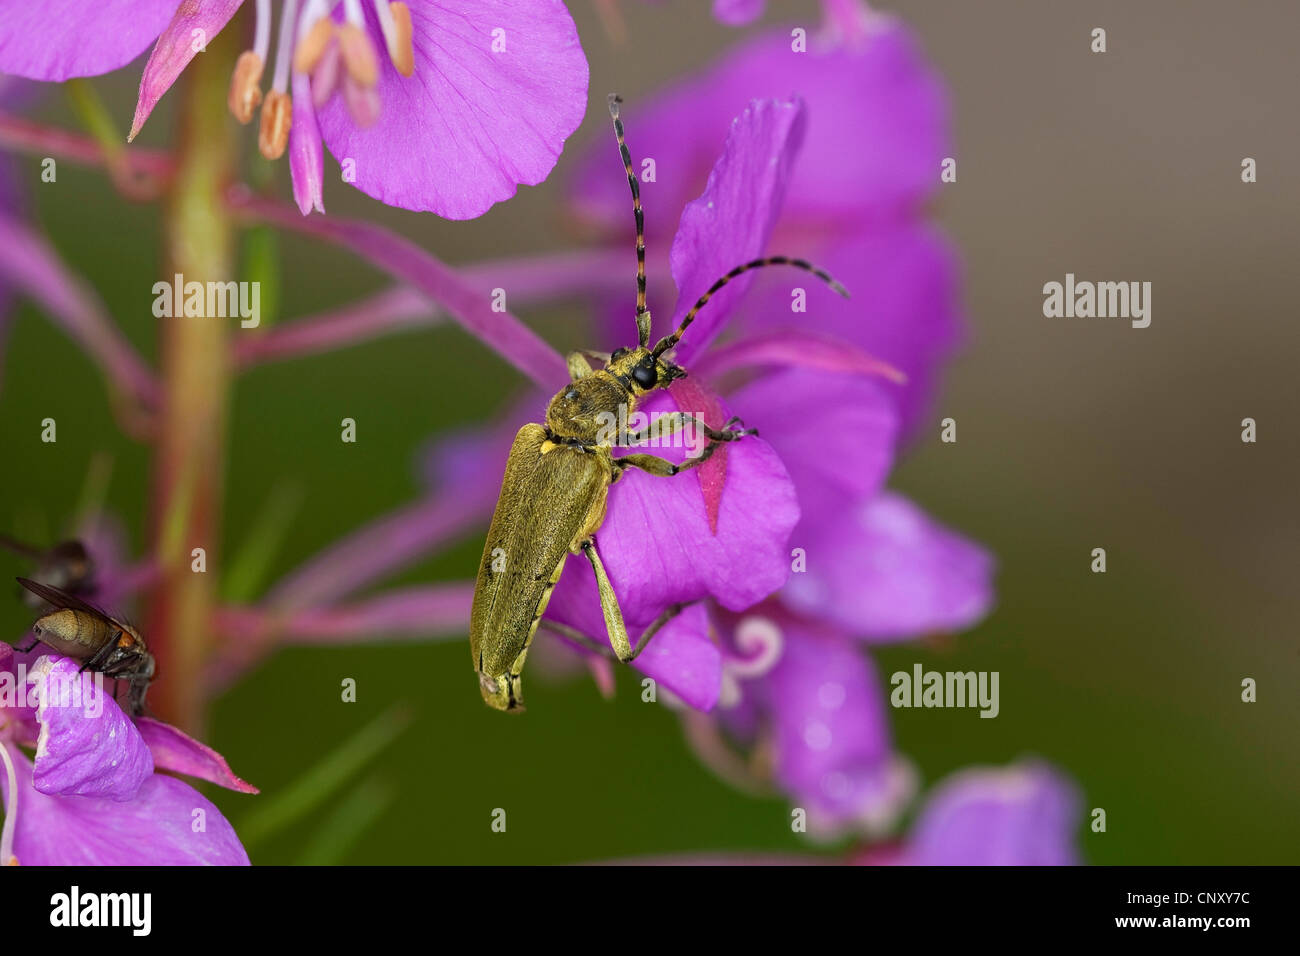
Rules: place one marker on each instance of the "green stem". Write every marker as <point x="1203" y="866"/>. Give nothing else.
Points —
<point x="196" y="371"/>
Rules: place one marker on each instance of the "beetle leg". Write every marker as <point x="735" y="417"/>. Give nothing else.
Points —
<point x="29" y="647"/>
<point x="614" y="625"/>
<point x="669" y="613"/>
<point x="670" y="423"/>
<point x="575" y="635"/>
<point x="579" y="367"/>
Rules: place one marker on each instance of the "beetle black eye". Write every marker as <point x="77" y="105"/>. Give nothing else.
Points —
<point x="617" y="354"/>
<point x="645" y="375"/>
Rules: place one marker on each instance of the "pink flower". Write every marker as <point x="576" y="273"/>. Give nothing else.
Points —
<point x="435" y="105"/>
<point x="93" y="794"/>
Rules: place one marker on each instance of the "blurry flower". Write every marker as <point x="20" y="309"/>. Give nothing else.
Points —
<point x="438" y="105"/>
<point x="817" y="719"/>
<point x="1026" y="814"/>
<point x="92" y="794"/>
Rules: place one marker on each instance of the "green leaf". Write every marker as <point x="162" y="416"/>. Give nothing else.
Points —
<point x="322" y="781"/>
<point x="352" y="817"/>
<point x="262" y="266"/>
<point x="249" y="566"/>
<point x="96" y="118"/>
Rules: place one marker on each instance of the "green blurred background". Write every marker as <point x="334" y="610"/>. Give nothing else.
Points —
<point x="1072" y="435"/>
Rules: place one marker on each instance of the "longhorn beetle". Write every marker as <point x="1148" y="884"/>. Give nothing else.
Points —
<point x="557" y="479"/>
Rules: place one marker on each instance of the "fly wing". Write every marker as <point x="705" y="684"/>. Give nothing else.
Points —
<point x="546" y="499"/>
<point x="60" y="598"/>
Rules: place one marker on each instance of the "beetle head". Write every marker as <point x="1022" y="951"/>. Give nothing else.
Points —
<point x="642" y="370"/>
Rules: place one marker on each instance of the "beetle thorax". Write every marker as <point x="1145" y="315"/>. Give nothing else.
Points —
<point x="591" y="410"/>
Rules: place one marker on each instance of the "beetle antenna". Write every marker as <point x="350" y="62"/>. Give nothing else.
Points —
<point x="642" y="313"/>
<point x="669" y="341"/>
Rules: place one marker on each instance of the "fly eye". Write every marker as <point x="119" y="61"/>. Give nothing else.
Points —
<point x="645" y="375"/>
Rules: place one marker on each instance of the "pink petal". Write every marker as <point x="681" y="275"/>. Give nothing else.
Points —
<point x="155" y="828"/>
<point x="1026" y="814"/>
<point x="877" y="131"/>
<point x="30" y="264"/>
<point x="795" y="348"/>
<point x="832" y="743"/>
<point x="906" y="307"/>
<point x="175" y="49"/>
<point x="88" y="746"/>
<point x="731" y="221"/>
<point x="59" y="39"/>
<point x="737" y="13"/>
<point x="176" y="751"/>
<point x="471" y="124"/>
<point x="306" y="157"/>
<point x="464" y="301"/>
<point x="886" y="571"/>
<point x="836" y="435"/>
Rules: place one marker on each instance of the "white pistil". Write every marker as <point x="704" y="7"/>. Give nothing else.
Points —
<point x="262" y="32"/>
<point x="395" y="23"/>
<point x="284" y="48"/>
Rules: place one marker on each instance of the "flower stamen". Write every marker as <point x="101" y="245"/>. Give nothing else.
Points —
<point x="245" y="87"/>
<point x="277" y="117"/>
<point x="277" y="112"/>
<point x="395" y="22"/>
<point x="354" y="43"/>
<point x="246" y="82"/>
<point x="313" y="41"/>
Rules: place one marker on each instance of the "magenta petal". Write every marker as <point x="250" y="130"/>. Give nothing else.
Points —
<point x="30" y="264"/>
<point x="877" y="130"/>
<point x="306" y="156"/>
<point x="175" y="49"/>
<point x="60" y="39"/>
<point x="835" y="433"/>
<point x="158" y="827"/>
<point x="885" y="571"/>
<point x="88" y="746"/>
<point x="795" y="348"/>
<point x="906" y="307"/>
<point x="1023" y="815"/>
<point x="682" y="658"/>
<point x="177" y="752"/>
<point x="731" y="221"/>
<point x="471" y="124"/>
<point x="736" y="13"/>
<point x="465" y="302"/>
<point x="832" y="746"/>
